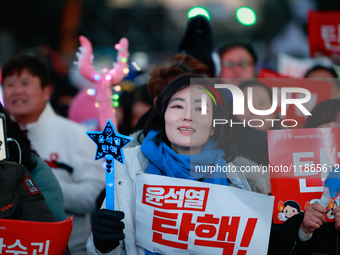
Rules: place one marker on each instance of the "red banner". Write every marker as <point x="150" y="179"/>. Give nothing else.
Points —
<point x="324" y="32"/>
<point x="34" y="238"/>
<point x="178" y="216"/>
<point x="266" y="73"/>
<point x="298" y="165"/>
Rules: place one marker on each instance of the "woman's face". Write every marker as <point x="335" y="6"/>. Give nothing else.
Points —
<point x="185" y="126"/>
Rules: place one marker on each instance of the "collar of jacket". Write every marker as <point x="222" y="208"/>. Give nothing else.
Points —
<point x="46" y="114"/>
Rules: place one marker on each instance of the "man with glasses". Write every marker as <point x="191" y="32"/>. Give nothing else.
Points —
<point x="237" y="61"/>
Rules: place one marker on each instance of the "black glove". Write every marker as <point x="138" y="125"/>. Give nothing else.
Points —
<point x="107" y="229"/>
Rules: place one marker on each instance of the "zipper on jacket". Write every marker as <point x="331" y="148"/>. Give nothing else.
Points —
<point x="293" y="248"/>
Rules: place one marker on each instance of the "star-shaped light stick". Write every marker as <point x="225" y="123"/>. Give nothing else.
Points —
<point x="109" y="145"/>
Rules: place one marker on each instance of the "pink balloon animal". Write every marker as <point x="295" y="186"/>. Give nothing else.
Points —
<point x="103" y="81"/>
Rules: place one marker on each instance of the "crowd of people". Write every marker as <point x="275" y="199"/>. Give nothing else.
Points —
<point x="170" y="134"/>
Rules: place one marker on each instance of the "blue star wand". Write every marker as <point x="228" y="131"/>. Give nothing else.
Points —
<point x="109" y="146"/>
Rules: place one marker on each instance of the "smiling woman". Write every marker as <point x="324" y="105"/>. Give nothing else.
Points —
<point x="178" y="119"/>
<point x="179" y="135"/>
<point x="186" y="128"/>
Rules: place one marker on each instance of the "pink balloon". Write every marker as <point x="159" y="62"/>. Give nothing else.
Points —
<point x="103" y="81"/>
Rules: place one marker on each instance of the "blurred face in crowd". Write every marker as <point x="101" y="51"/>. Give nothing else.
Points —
<point x="237" y="63"/>
<point x="185" y="126"/>
<point x="324" y="74"/>
<point x="320" y="73"/>
<point x="261" y="101"/>
<point x="24" y="97"/>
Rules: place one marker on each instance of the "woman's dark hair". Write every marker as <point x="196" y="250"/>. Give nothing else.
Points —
<point x="14" y="131"/>
<point x="324" y="112"/>
<point x="222" y="133"/>
<point x="178" y="65"/>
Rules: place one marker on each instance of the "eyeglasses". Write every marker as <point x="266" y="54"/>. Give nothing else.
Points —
<point x="233" y="64"/>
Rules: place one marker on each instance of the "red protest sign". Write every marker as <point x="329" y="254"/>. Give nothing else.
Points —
<point x="298" y="165"/>
<point x="324" y="32"/>
<point x="34" y="238"/>
<point x="178" y="216"/>
<point x="320" y="91"/>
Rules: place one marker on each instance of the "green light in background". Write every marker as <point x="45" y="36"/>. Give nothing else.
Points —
<point x="115" y="97"/>
<point x="115" y="104"/>
<point x="198" y="10"/>
<point x="246" y="16"/>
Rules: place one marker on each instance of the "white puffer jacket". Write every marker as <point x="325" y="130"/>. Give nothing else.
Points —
<point x="125" y="177"/>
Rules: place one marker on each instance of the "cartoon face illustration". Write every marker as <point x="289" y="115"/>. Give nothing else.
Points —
<point x="288" y="209"/>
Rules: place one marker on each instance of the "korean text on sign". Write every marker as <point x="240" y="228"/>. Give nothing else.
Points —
<point x="176" y="197"/>
<point x="17" y="248"/>
<point x="177" y="216"/>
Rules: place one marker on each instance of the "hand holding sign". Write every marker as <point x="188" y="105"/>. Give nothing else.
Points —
<point x="107" y="229"/>
<point x="313" y="218"/>
<point x="336" y="213"/>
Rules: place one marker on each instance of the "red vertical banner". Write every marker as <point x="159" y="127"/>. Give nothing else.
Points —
<point x="29" y="237"/>
<point x="324" y="32"/>
<point x="299" y="161"/>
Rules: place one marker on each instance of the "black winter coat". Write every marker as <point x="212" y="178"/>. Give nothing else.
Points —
<point x="284" y="239"/>
<point x="20" y="198"/>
